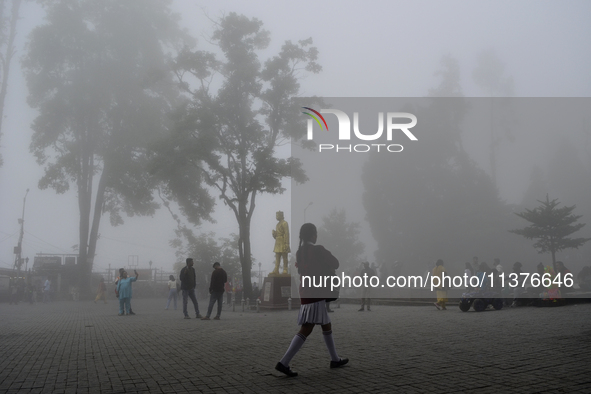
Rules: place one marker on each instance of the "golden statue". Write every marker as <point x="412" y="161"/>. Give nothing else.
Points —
<point x="281" y="235"/>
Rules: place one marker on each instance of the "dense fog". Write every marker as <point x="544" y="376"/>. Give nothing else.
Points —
<point x="526" y="50"/>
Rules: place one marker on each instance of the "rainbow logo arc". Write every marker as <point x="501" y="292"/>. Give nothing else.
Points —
<point x="315" y="118"/>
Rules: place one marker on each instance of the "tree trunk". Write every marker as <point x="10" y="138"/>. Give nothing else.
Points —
<point x="84" y="207"/>
<point x="96" y="220"/>
<point x="7" y="58"/>
<point x="244" y="251"/>
<point x="84" y="203"/>
<point x="493" y="144"/>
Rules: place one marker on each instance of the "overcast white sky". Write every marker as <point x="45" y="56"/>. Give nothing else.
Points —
<point x="367" y="49"/>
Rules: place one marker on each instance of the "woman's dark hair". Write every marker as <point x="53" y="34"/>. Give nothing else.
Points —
<point x="439" y="262"/>
<point x="171" y="277"/>
<point x="307" y="234"/>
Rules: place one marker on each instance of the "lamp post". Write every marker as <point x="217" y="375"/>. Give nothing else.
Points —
<point x="308" y="206"/>
<point x="18" y="249"/>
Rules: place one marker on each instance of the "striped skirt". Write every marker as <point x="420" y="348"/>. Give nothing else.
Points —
<point x="314" y="313"/>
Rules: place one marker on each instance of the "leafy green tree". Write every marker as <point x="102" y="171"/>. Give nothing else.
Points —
<point x="242" y="109"/>
<point x="341" y="237"/>
<point x="98" y="73"/>
<point x="8" y="20"/>
<point x="551" y="227"/>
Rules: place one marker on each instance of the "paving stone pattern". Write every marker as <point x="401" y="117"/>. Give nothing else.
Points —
<point x="78" y="347"/>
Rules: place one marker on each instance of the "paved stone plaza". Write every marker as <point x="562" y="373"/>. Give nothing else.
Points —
<point x="84" y="347"/>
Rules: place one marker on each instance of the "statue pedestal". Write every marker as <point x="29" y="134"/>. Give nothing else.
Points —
<point x="276" y="291"/>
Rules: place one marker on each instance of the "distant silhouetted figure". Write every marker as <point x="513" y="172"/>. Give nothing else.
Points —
<point x="172" y="291"/>
<point x="483" y="271"/>
<point x="441" y="290"/>
<point x="497" y="266"/>
<point x="13" y="292"/>
<point x="468" y="271"/>
<point x="101" y="292"/>
<point x="365" y="292"/>
<point x="188" y="279"/>
<point x="228" y="289"/>
<point x="46" y="291"/>
<point x="518" y="289"/>
<point x="584" y="278"/>
<point x="563" y="271"/>
<point x="216" y="290"/>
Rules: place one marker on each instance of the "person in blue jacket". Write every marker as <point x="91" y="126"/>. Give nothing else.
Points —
<point x="124" y="291"/>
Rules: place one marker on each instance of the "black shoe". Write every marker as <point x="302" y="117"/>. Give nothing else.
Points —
<point x="286" y="370"/>
<point x="131" y="313"/>
<point x="340" y="363"/>
<point x="361" y="310"/>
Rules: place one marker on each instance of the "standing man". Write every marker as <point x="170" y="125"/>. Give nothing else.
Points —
<point x="216" y="290"/>
<point x="188" y="279"/>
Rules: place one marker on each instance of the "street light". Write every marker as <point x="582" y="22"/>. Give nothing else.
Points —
<point x="18" y="249"/>
<point x="260" y="275"/>
<point x="308" y="206"/>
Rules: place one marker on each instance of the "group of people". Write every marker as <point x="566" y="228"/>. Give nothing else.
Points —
<point x="19" y="290"/>
<point x="188" y="281"/>
<point x="187" y="285"/>
<point x="483" y="271"/>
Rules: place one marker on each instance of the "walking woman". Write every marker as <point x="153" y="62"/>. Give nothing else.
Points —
<point x="312" y="260"/>
<point x="172" y="291"/>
